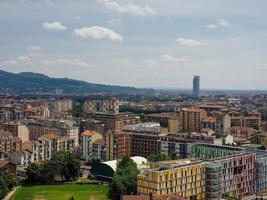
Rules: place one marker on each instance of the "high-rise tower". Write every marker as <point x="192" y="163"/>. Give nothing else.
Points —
<point x="196" y="86"/>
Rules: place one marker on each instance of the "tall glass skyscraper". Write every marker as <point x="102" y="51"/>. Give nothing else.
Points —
<point x="196" y="86"/>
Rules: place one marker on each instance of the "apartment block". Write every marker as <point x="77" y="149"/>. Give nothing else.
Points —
<point x="115" y="121"/>
<point x="89" y="146"/>
<point x="9" y="143"/>
<point x="191" y="119"/>
<point x="17" y="129"/>
<point x="110" y="105"/>
<point x="252" y="120"/>
<point x="184" y="177"/>
<point x="118" y="144"/>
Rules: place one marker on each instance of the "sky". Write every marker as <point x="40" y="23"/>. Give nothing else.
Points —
<point x="151" y="43"/>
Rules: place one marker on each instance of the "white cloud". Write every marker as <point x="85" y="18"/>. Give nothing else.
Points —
<point x="170" y="58"/>
<point x="191" y="42"/>
<point x="97" y="32"/>
<point x="219" y="23"/>
<point x="35" y="49"/>
<point x="211" y="26"/>
<point x="223" y="22"/>
<point x="66" y="62"/>
<point x="128" y="8"/>
<point x="165" y="61"/>
<point x="8" y="62"/>
<point x="54" y="26"/>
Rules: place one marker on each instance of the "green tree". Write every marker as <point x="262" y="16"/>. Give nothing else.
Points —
<point x="63" y="163"/>
<point x="125" y="179"/>
<point x="7" y="182"/>
<point x="158" y="157"/>
<point x="33" y="173"/>
<point x="47" y="172"/>
<point x="66" y="165"/>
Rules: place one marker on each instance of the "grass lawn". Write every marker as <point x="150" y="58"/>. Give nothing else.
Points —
<point x="61" y="192"/>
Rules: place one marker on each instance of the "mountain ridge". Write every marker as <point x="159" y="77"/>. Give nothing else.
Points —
<point x="30" y="82"/>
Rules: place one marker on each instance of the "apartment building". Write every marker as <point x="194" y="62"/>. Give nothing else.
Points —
<point x="17" y="129"/>
<point x="110" y="105"/>
<point x="90" y="146"/>
<point x="230" y="171"/>
<point x="252" y="120"/>
<point x="61" y="105"/>
<point x="191" y="119"/>
<point x="9" y="143"/>
<point x="37" y="128"/>
<point x="184" y="177"/>
<point x="115" y="121"/>
<point x="221" y="174"/>
<point x="47" y="145"/>
<point x="118" y="144"/>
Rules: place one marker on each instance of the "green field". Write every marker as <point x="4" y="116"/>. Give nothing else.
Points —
<point x="61" y="192"/>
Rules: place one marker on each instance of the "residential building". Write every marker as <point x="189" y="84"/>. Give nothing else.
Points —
<point x="9" y="143"/>
<point x="118" y="144"/>
<point x="17" y="129"/>
<point x="174" y="125"/>
<point x="22" y="157"/>
<point x="115" y="121"/>
<point x="110" y="105"/>
<point x="191" y="119"/>
<point x="88" y="139"/>
<point x="184" y="177"/>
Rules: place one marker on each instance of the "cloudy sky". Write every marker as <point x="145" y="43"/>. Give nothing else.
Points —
<point x="151" y="43"/>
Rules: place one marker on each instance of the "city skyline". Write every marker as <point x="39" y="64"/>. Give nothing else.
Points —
<point x="142" y="44"/>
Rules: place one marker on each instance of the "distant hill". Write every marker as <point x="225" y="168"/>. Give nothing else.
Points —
<point x="28" y="82"/>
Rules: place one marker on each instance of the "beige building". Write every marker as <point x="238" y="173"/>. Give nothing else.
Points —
<point x="88" y="139"/>
<point x="191" y="119"/>
<point x="174" y="125"/>
<point x="17" y="129"/>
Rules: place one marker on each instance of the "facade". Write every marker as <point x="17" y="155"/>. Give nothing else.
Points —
<point x="9" y="143"/>
<point x="208" y="122"/>
<point x="223" y="122"/>
<point x="174" y="125"/>
<point x="118" y="144"/>
<point x="33" y="148"/>
<point x="144" y="144"/>
<point x="184" y="177"/>
<point x="113" y="121"/>
<point x="253" y="120"/>
<point x="111" y="105"/>
<point x="62" y="105"/>
<point x="21" y="157"/>
<point x="37" y="128"/>
<point x="196" y="86"/>
<point x="90" y="151"/>
<point x="191" y="119"/>
<point x="224" y="173"/>
<point x="17" y="129"/>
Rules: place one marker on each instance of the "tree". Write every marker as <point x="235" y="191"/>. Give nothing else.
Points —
<point x="7" y="182"/>
<point x="66" y="165"/>
<point x="47" y="172"/>
<point x="63" y="163"/>
<point x="158" y="157"/>
<point x="33" y="173"/>
<point x="125" y="179"/>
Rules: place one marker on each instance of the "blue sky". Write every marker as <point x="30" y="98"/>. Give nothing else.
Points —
<point x="152" y="43"/>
